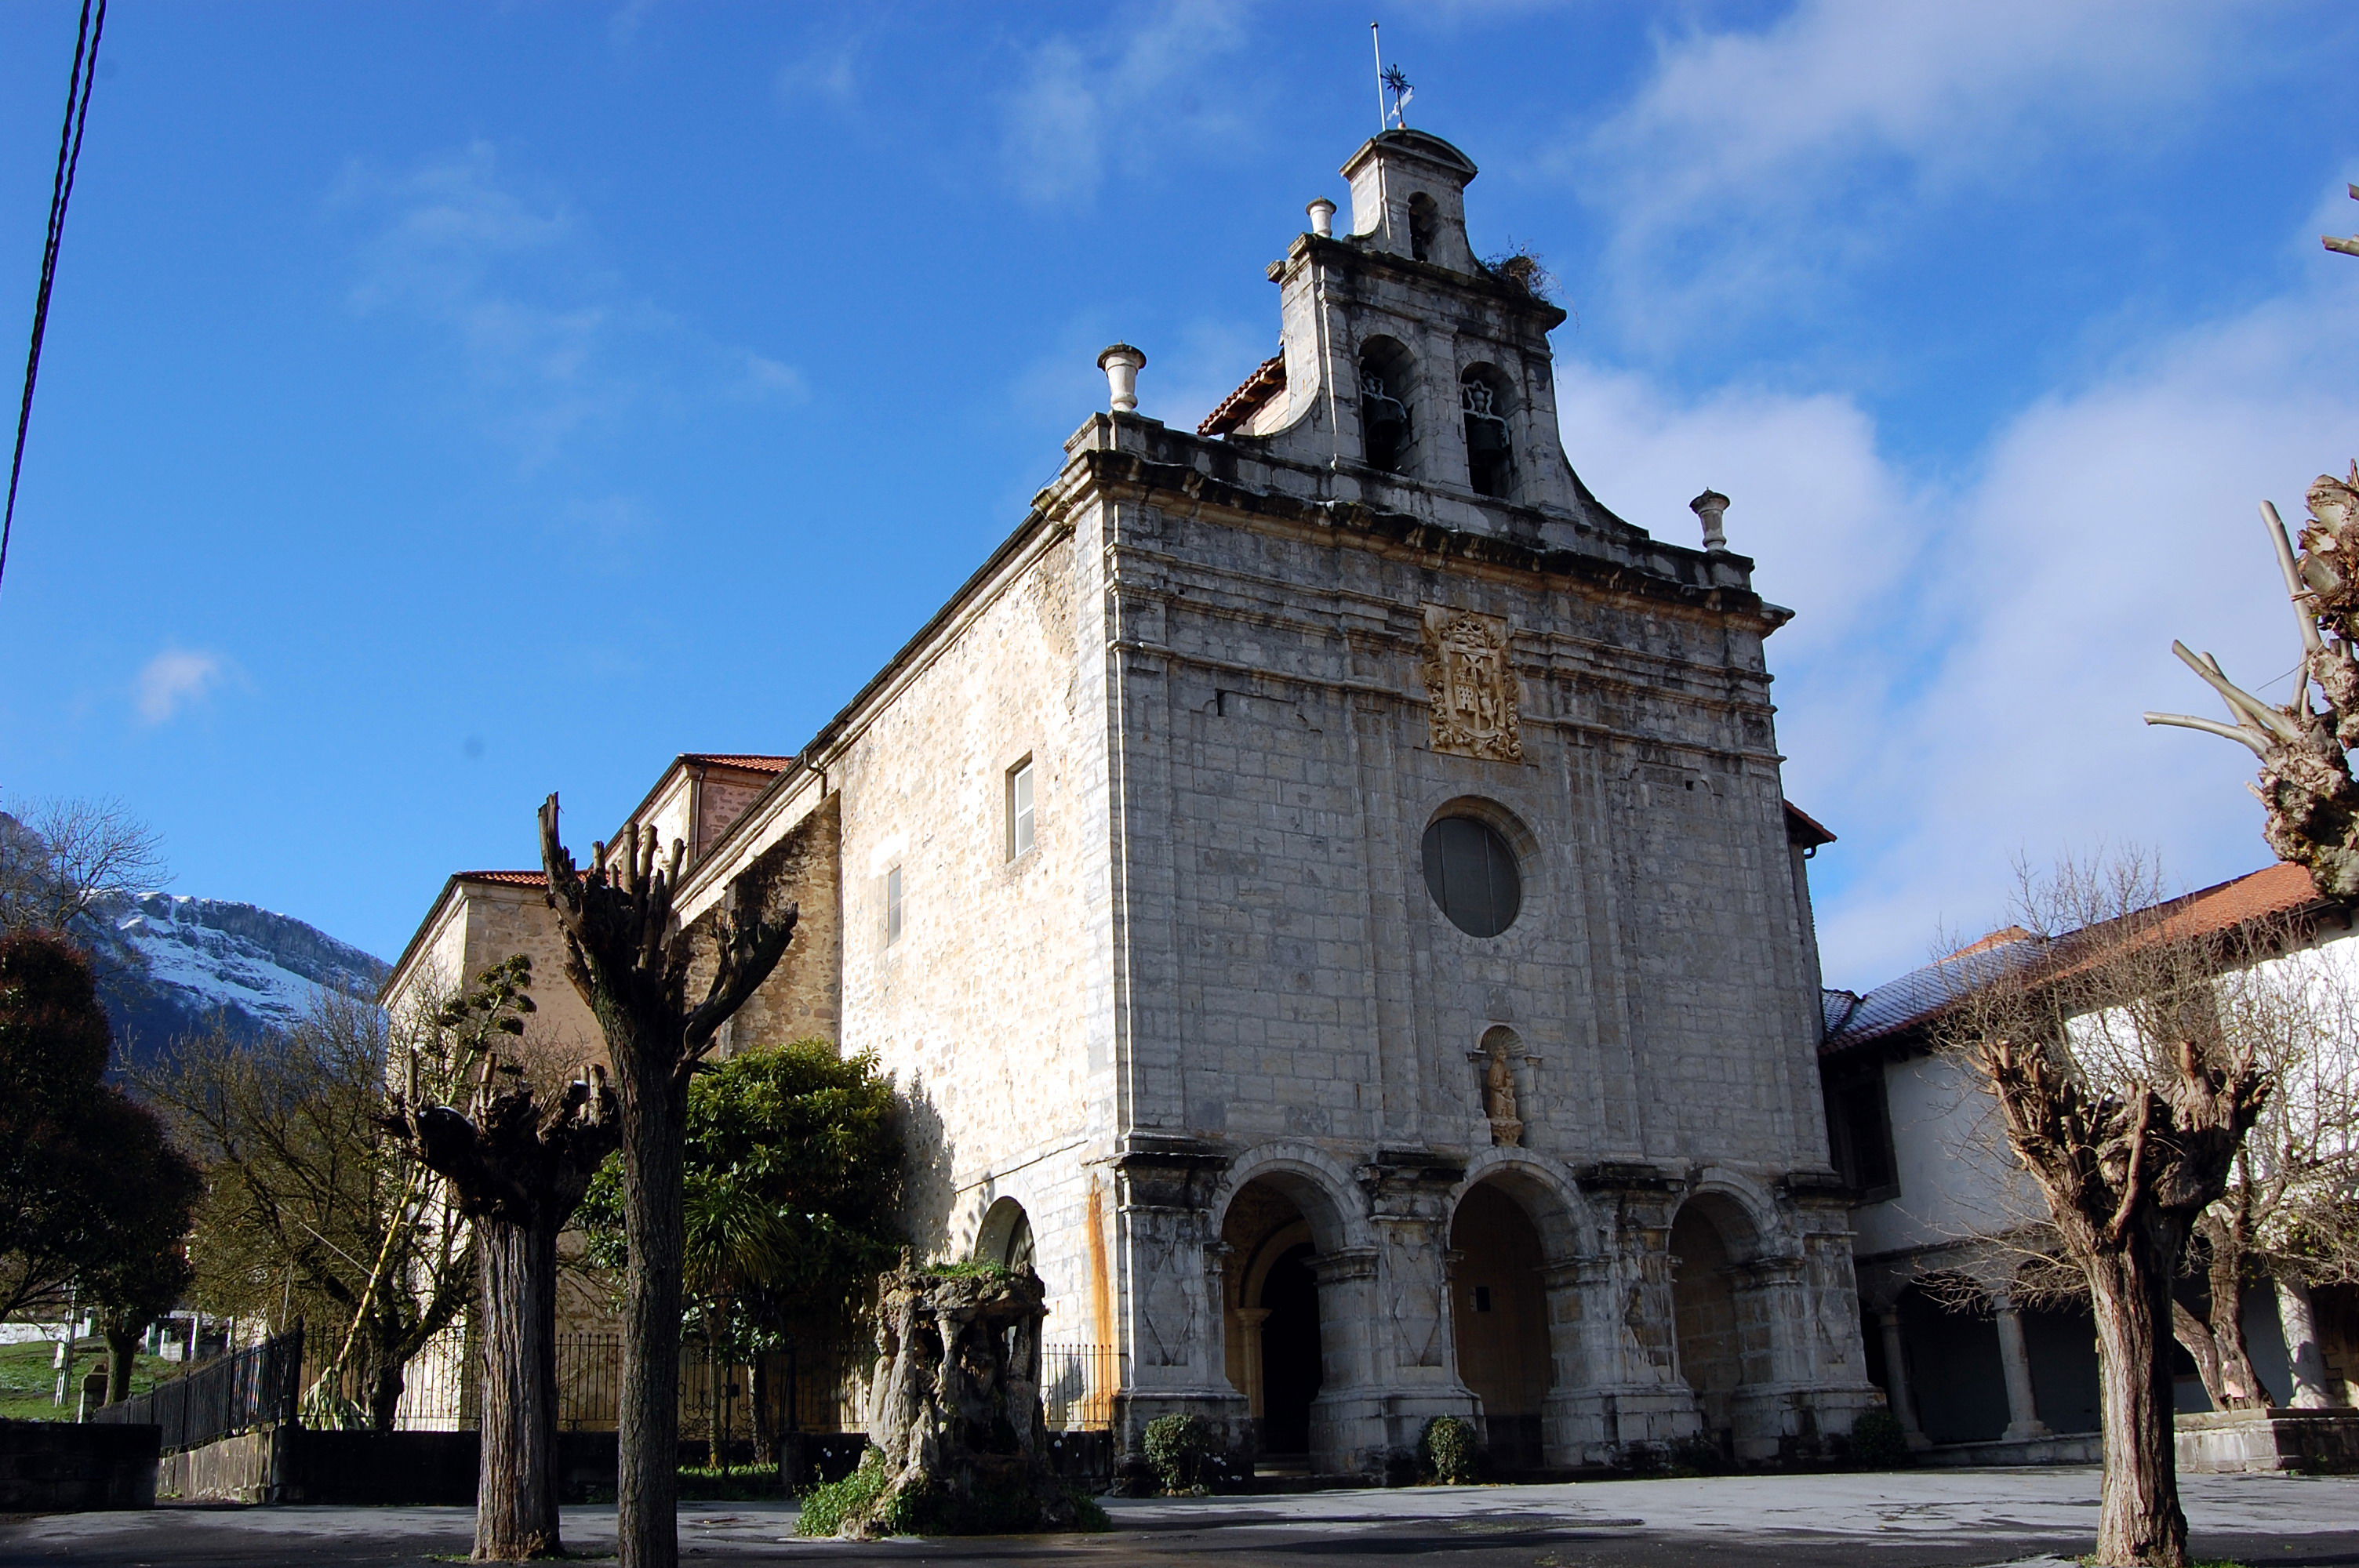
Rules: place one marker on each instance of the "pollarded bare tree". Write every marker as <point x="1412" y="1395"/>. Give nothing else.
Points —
<point x="630" y="958"/>
<point x="518" y="1156"/>
<point x="2126" y="1102"/>
<point x="2304" y="747"/>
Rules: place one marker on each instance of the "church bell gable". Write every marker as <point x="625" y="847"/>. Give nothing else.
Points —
<point x="1414" y="370"/>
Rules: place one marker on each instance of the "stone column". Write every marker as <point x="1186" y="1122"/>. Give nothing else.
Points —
<point x="2023" y="1423"/>
<point x="1252" y="1318"/>
<point x="1347" y="1429"/>
<point x="1896" y="1378"/>
<point x="2312" y="1391"/>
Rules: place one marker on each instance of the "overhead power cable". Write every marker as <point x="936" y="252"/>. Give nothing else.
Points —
<point x="85" y="72"/>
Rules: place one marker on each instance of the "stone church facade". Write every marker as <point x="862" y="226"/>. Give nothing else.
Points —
<point x="1325" y="889"/>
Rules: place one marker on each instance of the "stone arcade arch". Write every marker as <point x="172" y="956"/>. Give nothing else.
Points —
<point x="1723" y="1330"/>
<point x="1518" y="1229"/>
<point x="1293" y="1317"/>
<point x="1500" y="1305"/>
<point x="1005" y="1236"/>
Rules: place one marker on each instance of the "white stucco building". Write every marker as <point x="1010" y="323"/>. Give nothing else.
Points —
<point x="1977" y="1369"/>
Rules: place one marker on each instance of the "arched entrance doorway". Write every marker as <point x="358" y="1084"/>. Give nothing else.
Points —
<point x="1279" y="1344"/>
<point x="1722" y="1344"/>
<point x="1289" y="1350"/>
<point x="1500" y="1308"/>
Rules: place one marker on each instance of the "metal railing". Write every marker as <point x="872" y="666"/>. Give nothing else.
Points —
<point x="1078" y="1383"/>
<point x="230" y="1394"/>
<point x="820" y="1392"/>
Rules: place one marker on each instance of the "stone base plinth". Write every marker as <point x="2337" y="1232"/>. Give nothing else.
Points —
<point x="2220" y="1443"/>
<point x="2069" y="1448"/>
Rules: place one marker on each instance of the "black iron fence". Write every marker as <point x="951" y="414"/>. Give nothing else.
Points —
<point x="1078" y="1383"/>
<point x="254" y="1387"/>
<point x="815" y="1393"/>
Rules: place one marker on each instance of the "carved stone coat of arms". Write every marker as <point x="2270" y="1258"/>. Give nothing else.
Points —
<point x="1469" y="685"/>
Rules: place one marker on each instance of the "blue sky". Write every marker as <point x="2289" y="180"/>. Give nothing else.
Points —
<point x="445" y="403"/>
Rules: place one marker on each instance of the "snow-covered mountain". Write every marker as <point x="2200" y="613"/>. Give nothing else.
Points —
<point x="170" y="966"/>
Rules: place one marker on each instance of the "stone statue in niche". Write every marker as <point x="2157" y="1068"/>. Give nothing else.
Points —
<point x="1499" y="1098"/>
<point x="1470" y="689"/>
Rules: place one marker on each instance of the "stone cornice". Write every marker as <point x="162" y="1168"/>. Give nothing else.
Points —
<point x="1118" y="471"/>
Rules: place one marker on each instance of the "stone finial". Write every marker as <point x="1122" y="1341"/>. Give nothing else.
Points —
<point x="1121" y="364"/>
<point x="1708" y="508"/>
<point x="1322" y="218"/>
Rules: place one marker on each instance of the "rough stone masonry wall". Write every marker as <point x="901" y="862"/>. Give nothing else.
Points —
<point x="802" y="1000"/>
<point x="1293" y="976"/>
<point x="502" y="921"/>
<point x="990" y="1008"/>
<point x="1298" y="1004"/>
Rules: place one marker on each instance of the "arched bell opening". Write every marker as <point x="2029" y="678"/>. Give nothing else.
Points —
<point x="1500" y="1313"/>
<point x="1486" y="408"/>
<point x="1424" y="226"/>
<point x="1387" y="394"/>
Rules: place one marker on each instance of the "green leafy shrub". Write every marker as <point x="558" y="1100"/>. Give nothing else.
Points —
<point x="825" y="1507"/>
<point x="1182" y="1451"/>
<point x="1448" y="1444"/>
<point x="1877" y="1441"/>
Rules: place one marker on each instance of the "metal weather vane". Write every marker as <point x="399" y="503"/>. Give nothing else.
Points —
<point x="1389" y="79"/>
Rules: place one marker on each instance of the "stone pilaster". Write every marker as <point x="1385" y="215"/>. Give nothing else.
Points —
<point x="1626" y="1394"/>
<point x="1414" y="1357"/>
<point x="1170" y="1273"/>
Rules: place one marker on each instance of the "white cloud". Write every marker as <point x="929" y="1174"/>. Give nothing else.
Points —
<point x="553" y="346"/>
<point x="175" y="679"/>
<point x="1964" y="681"/>
<point x="1123" y="95"/>
<point x="1752" y="162"/>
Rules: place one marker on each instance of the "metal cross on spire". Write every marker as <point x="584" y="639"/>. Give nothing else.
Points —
<point x="1389" y="79"/>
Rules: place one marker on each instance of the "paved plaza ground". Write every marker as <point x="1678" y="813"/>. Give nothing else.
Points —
<point x="1889" y="1520"/>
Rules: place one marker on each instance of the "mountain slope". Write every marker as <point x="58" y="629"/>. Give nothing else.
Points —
<point x="170" y="966"/>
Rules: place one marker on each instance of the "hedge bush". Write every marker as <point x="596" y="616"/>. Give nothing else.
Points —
<point x="1449" y="1446"/>
<point x="1183" y="1452"/>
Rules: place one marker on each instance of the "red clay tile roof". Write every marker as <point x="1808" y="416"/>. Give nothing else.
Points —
<point x="1266" y="382"/>
<point x="1918" y="997"/>
<point x="755" y="764"/>
<point x="509" y="879"/>
<point x="1804" y="829"/>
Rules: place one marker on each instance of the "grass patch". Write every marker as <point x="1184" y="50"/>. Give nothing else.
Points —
<point x="738" y="1484"/>
<point x="26" y="1377"/>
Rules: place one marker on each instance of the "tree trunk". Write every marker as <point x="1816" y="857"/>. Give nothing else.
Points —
<point x="122" y="1349"/>
<point x="2140" y="1521"/>
<point x="655" y="1130"/>
<point x="757" y="1387"/>
<point x="2224" y="1275"/>
<point x="2194" y="1336"/>
<point x="516" y="1492"/>
<point x="386" y="1385"/>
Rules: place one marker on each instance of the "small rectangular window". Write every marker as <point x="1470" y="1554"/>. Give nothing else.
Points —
<point x="1019" y="808"/>
<point x="893" y="905"/>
